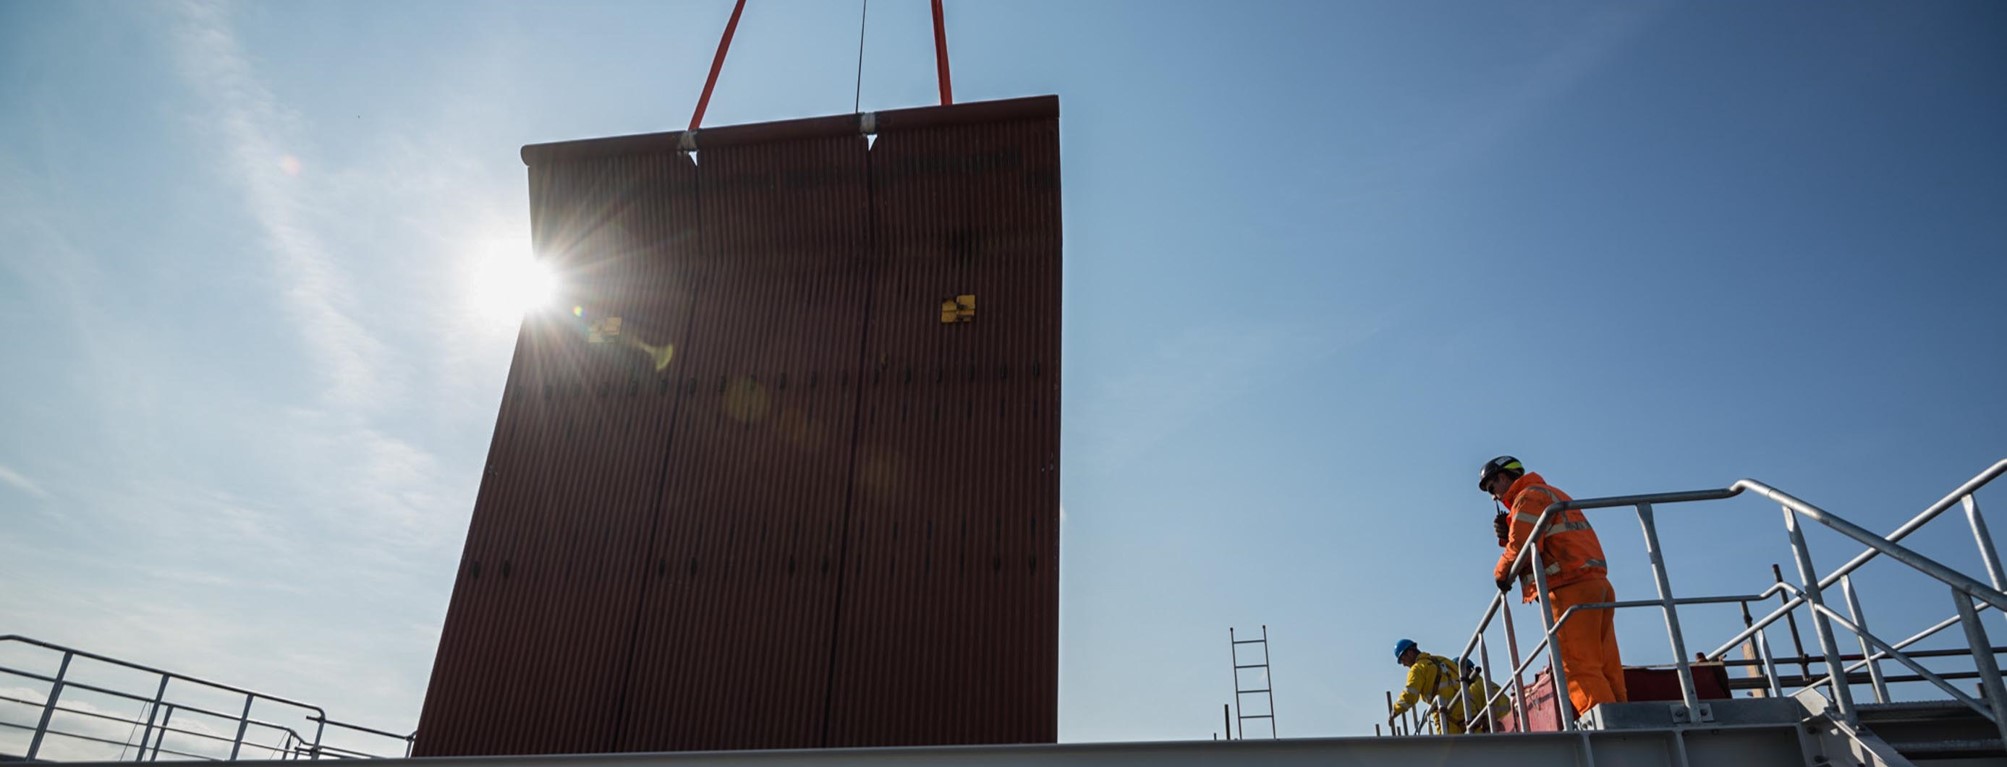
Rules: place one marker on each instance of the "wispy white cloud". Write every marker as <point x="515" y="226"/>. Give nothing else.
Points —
<point x="22" y="483"/>
<point x="314" y="532"/>
<point x="393" y="491"/>
<point x="262" y="138"/>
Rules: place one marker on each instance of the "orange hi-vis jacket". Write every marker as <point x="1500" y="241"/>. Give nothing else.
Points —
<point x="1570" y="551"/>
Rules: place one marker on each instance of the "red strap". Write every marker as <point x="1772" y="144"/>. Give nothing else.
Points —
<point x="725" y="43"/>
<point x="940" y="56"/>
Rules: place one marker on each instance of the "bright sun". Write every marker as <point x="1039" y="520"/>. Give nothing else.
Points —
<point x="508" y="283"/>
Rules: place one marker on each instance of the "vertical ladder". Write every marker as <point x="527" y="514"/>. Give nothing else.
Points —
<point x="1263" y="685"/>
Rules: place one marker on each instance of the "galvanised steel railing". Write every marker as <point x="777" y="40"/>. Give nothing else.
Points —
<point x="68" y="720"/>
<point x="1838" y="680"/>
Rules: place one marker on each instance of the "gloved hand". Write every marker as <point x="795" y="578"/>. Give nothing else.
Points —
<point x="1502" y="527"/>
<point x="1391" y="719"/>
<point x="1504" y="585"/>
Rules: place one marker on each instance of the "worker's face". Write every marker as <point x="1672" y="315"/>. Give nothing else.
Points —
<point x="1496" y="487"/>
<point x="1408" y="658"/>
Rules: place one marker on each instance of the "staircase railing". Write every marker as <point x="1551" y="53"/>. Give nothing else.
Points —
<point x="160" y="698"/>
<point x="1811" y="591"/>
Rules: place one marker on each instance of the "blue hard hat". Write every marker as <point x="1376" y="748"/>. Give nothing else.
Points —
<point x="1402" y="647"/>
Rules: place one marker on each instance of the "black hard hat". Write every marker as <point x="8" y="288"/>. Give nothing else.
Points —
<point x="1493" y="467"/>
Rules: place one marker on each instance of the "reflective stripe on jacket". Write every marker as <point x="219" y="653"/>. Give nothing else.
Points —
<point x="1569" y="552"/>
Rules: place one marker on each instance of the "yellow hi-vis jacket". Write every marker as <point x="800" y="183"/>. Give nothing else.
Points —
<point x="1431" y="676"/>
<point x="1476" y="692"/>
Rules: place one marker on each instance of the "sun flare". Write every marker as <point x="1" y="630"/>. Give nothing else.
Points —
<point x="508" y="282"/>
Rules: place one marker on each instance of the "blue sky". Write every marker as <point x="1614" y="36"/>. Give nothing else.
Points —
<point x="1322" y="260"/>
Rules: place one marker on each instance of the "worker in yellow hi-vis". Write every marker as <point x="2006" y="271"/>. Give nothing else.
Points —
<point x="1479" y="693"/>
<point x="1432" y="677"/>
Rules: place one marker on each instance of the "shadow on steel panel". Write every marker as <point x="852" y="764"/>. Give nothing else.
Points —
<point x="782" y="470"/>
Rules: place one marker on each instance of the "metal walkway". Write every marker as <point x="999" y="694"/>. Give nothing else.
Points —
<point x="1952" y="727"/>
<point x="1763" y="741"/>
<point x="1812" y="718"/>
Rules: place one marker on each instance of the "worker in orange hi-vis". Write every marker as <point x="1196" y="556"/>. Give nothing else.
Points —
<point x="1572" y="556"/>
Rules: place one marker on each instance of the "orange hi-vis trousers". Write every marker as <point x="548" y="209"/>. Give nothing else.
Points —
<point x="1588" y="645"/>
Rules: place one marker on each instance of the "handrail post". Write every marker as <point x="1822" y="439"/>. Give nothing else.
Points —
<point x="1393" y="727"/>
<point x="162" y="740"/>
<point x="243" y="723"/>
<point x="1455" y="709"/>
<point x="153" y="711"/>
<point x="1688" y="696"/>
<point x="1512" y="649"/>
<point x="1855" y="614"/>
<point x="1562" y="703"/>
<point x="1987" y="553"/>
<point x="1982" y="657"/>
<point x="1484" y="681"/>
<point x="49" y="707"/>
<point x="1769" y="663"/>
<point x="1791" y="621"/>
<point x="1843" y="696"/>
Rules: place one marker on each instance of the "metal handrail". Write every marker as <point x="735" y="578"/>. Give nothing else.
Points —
<point x="1569" y="614"/>
<point x="291" y="740"/>
<point x="1964" y="588"/>
<point x="151" y="670"/>
<point x="108" y="741"/>
<point x="249" y="722"/>
<point x="1529" y="557"/>
<point x="1964" y="493"/>
<point x="123" y="743"/>
<point x="1900" y="657"/>
<point x="163" y="729"/>
<point x="129" y="696"/>
<point x="360" y="728"/>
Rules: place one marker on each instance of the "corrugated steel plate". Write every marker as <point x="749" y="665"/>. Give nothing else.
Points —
<point x="535" y="652"/>
<point x="736" y="626"/>
<point x="707" y="549"/>
<point x="950" y="624"/>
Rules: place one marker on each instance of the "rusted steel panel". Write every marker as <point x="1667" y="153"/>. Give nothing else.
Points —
<point x="754" y="493"/>
<point x="734" y="645"/>
<point x="534" y="654"/>
<point x="949" y="629"/>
